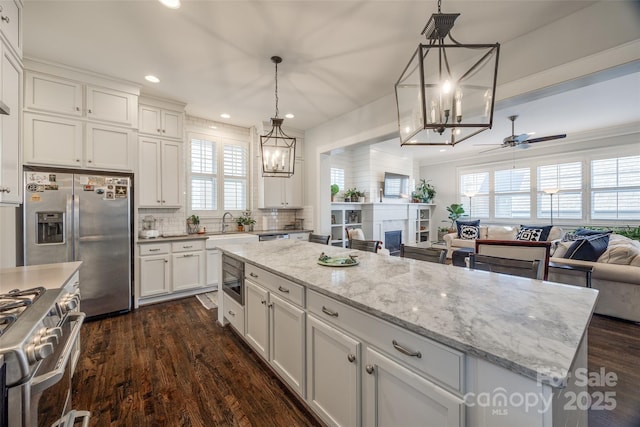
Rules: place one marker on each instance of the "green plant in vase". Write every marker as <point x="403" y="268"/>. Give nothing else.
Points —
<point x="455" y="211"/>
<point x="334" y="190"/>
<point x="193" y="223"/>
<point x="425" y="191"/>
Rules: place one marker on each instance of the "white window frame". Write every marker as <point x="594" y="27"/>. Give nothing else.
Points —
<point x="221" y="141"/>
<point x="617" y="190"/>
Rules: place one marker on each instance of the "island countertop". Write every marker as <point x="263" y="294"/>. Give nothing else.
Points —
<point x="524" y="325"/>
<point x="46" y="275"/>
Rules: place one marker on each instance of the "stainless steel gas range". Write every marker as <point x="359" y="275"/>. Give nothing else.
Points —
<point x="39" y="336"/>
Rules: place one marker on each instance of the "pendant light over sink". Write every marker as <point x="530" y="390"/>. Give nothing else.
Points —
<point x="277" y="148"/>
<point x="446" y="93"/>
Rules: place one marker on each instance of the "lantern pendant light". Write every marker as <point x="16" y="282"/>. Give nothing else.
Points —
<point x="277" y="148"/>
<point x="446" y="93"/>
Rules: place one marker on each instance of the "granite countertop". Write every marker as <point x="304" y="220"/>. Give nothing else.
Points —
<point x="524" y="325"/>
<point x="49" y="276"/>
<point x="283" y="231"/>
<point x="174" y="238"/>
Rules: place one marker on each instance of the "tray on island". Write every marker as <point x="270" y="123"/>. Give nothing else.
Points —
<point x="328" y="261"/>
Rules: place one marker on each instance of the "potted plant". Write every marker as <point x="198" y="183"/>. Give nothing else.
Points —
<point x="425" y="191"/>
<point x="441" y="232"/>
<point x="193" y="224"/>
<point x="240" y="223"/>
<point x="245" y="222"/>
<point x="350" y="195"/>
<point x="334" y="190"/>
<point x="360" y="196"/>
<point x="455" y="211"/>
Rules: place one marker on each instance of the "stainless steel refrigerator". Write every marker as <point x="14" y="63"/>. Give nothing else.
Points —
<point x="82" y="217"/>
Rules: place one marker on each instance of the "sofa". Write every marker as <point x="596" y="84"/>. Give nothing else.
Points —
<point x="615" y="274"/>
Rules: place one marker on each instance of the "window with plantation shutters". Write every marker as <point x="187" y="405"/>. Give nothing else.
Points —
<point x="615" y="188"/>
<point x="337" y="177"/>
<point x="477" y="186"/>
<point x="567" y="178"/>
<point x="512" y="193"/>
<point x="203" y="175"/>
<point x="235" y="177"/>
<point x="219" y="175"/>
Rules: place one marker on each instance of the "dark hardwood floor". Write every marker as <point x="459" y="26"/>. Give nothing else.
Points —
<point x="170" y="364"/>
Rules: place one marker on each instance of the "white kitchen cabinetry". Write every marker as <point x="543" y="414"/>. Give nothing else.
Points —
<point x="160" y="173"/>
<point x="171" y="270"/>
<point x="299" y="236"/>
<point x="64" y="96"/>
<point x="160" y="122"/>
<point x="275" y="323"/>
<point x="11" y="25"/>
<point x="58" y="141"/>
<point x="333" y="374"/>
<point x="394" y="395"/>
<point x="155" y="269"/>
<point x="11" y="132"/>
<point x="213" y="267"/>
<point x="283" y="193"/>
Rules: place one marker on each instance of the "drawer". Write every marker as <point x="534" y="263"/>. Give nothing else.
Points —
<point x="188" y="246"/>
<point x="234" y="313"/>
<point x="154" y="249"/>
<point x="284" y="288"/>
<point x="439" y="362"/>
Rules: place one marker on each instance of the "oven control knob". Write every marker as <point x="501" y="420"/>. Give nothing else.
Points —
<point x="68" y="304"/>
<point x="37" y="352"/>
<point x="51" y="335"/>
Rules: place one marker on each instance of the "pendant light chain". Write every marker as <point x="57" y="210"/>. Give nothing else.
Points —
<point x="276" y="90"/>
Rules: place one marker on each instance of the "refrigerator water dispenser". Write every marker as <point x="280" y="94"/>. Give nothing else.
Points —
<point x="50" y="227"/>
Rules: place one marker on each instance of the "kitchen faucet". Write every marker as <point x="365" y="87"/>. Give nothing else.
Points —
<point x="224" y="219"/>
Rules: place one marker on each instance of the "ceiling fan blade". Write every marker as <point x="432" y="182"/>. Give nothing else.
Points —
<point x="491" y="149"/>
<point x="547" y="138"/>
<point x="518" y="139"/>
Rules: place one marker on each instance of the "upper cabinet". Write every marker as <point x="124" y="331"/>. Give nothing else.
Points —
<point x="63" y="96"/>
<point x="160" y="122"/>
<point x="283" y="193"/>
<point x="11" y="25"/>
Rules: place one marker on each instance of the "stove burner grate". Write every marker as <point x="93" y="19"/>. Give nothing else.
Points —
<point x="14" y="302"/>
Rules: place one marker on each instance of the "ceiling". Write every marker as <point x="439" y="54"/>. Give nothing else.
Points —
<point x="338" y="55"/>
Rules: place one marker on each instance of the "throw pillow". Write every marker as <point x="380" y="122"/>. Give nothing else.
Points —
<point x="534" y="233"/>
<point x="460" y="223"/>
<point x="469" y="232"/>
<point x="562" y="249"/>
<point x="587" y="232"/>
<point x="588" y="248"/>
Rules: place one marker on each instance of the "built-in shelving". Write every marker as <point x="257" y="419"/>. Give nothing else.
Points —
<point x="344" y="215"/>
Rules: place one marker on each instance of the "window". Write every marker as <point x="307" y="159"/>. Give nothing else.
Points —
<point x="219" y="175"/>
<point x="475" y="185"/>
<point x="337" y="177"/>
<point x="615" y="188"/>
<point x="512" y="193"/>
<point x="567" y="178"/>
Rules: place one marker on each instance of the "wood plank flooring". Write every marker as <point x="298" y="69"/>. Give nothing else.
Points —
<point x="170" y="364"/>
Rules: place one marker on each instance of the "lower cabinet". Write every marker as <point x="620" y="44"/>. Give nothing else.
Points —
<point x="396" y="396"/>
<point x="275" y="328"/>
<point x="333" y="374"/>
<point x="171" y="269"/>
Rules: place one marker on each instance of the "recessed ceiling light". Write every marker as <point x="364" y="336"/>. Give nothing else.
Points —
<point x="225" y="116"/>
<point x="152" y="79"/>
<point x="442" y="150"/>
<point x="171" y="4"/>
<point x="289" y="116"/>
<point x="213" y="127"/>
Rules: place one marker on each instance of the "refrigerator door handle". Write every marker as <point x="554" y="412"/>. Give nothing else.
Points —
<point x="76" y="227"/>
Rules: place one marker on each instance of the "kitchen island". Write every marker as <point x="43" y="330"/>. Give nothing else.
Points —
<point x="474" y="335"/>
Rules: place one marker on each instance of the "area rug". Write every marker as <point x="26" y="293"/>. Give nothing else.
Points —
<point x="208" y="300"/>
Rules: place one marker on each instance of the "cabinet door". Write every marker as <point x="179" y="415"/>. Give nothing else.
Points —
<point x="52" y="141"/>
<point x="171" y="175"/>
<point x="10" y="22"/>
<point x="257" y="324"/>
<point x="10" y="144"/>
<point x="154" y="275"/>
<point x="287" y="341"/>
<point x="149" y="120"/>
<point x="48" y="93"/>
<point x="333" y="374"/>
<point x="111" y="106"/>
<point x="149" y="183"/>
<point x="188" y="270"/>
<point x="273" y="192"/>
<point x="213" y="266"/>
<point x="171" y="124"/>
<point x="395" y="396"/>
<point x="293" y="187"/>
<point x="109" y="148"/>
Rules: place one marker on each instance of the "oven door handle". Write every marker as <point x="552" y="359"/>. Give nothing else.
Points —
<point x="46" y="380"/>
<point x="71" y="419"/>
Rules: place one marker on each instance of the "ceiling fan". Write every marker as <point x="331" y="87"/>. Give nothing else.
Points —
<point x="522" y="140"/>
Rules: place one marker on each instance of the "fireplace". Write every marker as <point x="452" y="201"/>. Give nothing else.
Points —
<point x="392" y="241"/>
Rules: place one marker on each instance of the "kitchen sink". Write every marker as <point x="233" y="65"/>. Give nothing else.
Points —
<point x="215" y="240"/>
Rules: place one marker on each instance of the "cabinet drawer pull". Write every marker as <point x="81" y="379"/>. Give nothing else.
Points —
<point x="187" y="255"/>
<point x="5" y="19"/>
<point x="154" y="250"/>
<point x="369" y="369"/>
<point x="90" y="111"/>
<point x="187" y="246"/>
<point x="253" y="275"/>
<point x="270" y="305"/>
<point x="263" y="302"/>
<point x="351" y="358"/>
<point x="232" y="313"/>
<point x="283" y="290"/>
<point x="77" y="108"/>
<point x="328" y="312"/>
<point x="405" y="351"/>
<point x="5" y="190"/>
